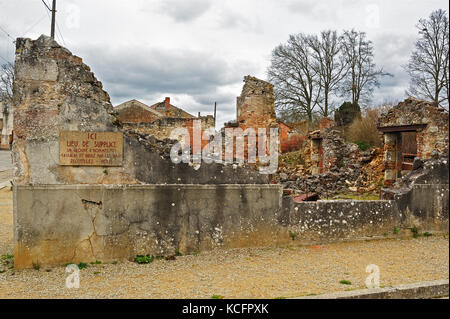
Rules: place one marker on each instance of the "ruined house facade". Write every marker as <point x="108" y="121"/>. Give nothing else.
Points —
<point x="413" y="128"/>
<point x="160" y="119"/>
<point x="255" y="108"/>
<point x="6" y="125"/>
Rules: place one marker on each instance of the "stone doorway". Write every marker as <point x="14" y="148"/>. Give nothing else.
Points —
<point x="400" y="149"/>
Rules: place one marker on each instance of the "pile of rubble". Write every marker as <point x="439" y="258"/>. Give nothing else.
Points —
<point x="371" y="177"/>
<point x="161" y="147"/>
<point x="337" y="152"/>
<point x="358" y="172"/>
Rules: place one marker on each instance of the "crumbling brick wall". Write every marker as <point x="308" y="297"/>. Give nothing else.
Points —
<point x="255" y="105"/>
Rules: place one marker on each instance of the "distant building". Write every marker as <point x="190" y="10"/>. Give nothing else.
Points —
<point x="6" y="125"/>
<point x="159" y="119"/>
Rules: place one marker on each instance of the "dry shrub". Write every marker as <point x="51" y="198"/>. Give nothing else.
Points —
<point x="363" y="129"/>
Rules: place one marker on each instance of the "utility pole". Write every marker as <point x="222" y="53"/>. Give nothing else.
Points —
<point x="53" y="19"/>
<point x="215" y="112"/>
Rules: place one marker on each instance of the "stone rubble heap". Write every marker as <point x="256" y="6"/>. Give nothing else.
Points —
<point x="346" y="168"/>
<point x="161" y="147"/>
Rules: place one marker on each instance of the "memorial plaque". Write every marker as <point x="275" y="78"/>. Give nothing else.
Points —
<point x="90" y="148"/>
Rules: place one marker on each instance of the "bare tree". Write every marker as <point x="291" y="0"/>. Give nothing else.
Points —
<point x="6" y="81"/>
<point x="330" y="64"/>
<point x="428" y="65"/>
<point x="295" y="77"/>
<point x="362" y="74"/>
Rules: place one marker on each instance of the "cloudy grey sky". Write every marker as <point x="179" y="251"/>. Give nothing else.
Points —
<point x="198" y="51"/>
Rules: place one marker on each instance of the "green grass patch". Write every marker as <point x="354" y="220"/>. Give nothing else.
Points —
<point x="143" y="259"/>
<point x="97" y="262"/>
<point x="216" y="297"/>
<point x="292" y="235"/>
<point x="345" y="282"/>
<point x="363" y="146"/>
<point x="7" y="256"/>
<point x="82" y="265"/>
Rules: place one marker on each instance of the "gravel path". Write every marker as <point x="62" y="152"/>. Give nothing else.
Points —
<point x="236" y="273"/>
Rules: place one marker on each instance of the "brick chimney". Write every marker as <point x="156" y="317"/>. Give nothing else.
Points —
<point x="167" y="105"/>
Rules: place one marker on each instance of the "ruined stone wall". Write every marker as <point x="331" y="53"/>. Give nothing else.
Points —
<point x="327" y="149"/>
<point x="434" y="136"/>
<point x="55" y="91"/>
<point x="255" y="105"/>
<point x="6" y="118"/>
<point x="423" y="193"/>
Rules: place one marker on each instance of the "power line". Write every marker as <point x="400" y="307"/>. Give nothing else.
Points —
<point x="29" y="29"/>
<point x="4" y="59"/>
<point x="45" y="3"/>
<point x="60" y="34"/>
<point x="7" y="34"/>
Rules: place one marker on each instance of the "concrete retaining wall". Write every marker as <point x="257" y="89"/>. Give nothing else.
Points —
<point x="340" y="219"/>
<point x="56" y="224"/>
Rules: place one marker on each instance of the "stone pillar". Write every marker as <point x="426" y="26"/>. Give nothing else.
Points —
<point x="391" y="158"/>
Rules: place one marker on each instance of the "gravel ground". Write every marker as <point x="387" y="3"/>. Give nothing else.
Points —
<point x="236" y="273"/>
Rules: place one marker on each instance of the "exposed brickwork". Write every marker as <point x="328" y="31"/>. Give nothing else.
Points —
<point x="170" y="110"/>
<point x="255" y="108"/>
<point x="325" y="123"/>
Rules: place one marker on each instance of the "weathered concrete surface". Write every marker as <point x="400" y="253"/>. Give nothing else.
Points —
<point x="421" y="290"/>
<point x="55" y="224"/>
<point x="423" y="194"/>
<point x="332" y="220"/>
